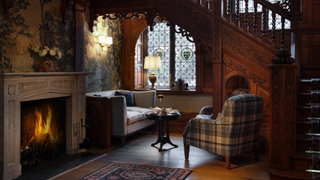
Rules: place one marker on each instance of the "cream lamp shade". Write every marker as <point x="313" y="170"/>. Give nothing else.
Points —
<point x="152" y="62"/>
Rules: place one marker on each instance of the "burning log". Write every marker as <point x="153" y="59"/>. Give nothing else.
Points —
<point x="23" y="147"/>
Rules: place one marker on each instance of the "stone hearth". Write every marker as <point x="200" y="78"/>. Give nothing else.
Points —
<point x="20" y="87"/>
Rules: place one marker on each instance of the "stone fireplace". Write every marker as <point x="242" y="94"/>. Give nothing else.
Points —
<point x="22" y="87"/>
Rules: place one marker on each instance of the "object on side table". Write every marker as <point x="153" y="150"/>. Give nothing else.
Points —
<point x="160" y="97"/>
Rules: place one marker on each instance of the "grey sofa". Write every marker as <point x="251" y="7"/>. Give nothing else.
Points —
<point x="126" y="120"/>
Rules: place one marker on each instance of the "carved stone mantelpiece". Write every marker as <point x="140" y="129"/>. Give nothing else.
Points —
<point x="19" y="87"/>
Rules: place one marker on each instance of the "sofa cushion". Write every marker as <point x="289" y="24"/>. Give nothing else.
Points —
<point x="135" y="114"/>
<point x="128" y="96"/>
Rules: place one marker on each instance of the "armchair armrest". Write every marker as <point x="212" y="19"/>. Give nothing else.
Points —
<point x="208" y="134"/>
<point x="207" y="110"/>
<point x="118" y="115"/>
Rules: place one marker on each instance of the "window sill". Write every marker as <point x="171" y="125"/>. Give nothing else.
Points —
<point x="182" y="92"/>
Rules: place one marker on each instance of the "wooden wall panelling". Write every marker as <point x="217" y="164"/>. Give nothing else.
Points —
<point x="315" y="14"/>
<point x="310" y="39"/>
<point x="132" y="29"/>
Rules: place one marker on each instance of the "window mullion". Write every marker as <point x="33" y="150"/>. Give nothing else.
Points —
<point x="172" y="54"/>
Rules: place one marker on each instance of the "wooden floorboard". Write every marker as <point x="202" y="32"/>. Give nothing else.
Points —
<point x="205" y="165"/>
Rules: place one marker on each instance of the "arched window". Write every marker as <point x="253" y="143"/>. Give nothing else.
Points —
<point x="177" y="54"/>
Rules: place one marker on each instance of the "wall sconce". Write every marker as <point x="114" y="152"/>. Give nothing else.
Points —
<point x="105" y="41"/>
<point x="152" y="62"/>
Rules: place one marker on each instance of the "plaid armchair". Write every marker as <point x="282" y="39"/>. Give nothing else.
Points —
<point x="206" y="112"/>
<point x="235" y="133"/>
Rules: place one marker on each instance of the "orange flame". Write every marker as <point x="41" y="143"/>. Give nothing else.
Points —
<point x="43" y="127"/>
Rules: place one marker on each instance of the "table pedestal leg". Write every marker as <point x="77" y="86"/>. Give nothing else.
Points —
<point x="163" y="139"/>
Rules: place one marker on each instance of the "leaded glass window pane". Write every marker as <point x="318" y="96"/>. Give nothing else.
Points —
<point x="159" y="44"/>
<point x="185" y="60"/>
<point x="138" y="64"/>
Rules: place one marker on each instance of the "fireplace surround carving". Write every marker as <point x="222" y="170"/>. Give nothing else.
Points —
<point x="20" y="87"/>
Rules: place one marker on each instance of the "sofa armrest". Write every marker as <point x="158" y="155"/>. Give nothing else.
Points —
<point x="118" y="115"/>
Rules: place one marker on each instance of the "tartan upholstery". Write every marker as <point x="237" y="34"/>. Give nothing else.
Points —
<point x="239" y="91"/>
<point x="237" y="132"/>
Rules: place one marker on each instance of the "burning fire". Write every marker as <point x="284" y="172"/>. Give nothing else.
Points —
<point x="44" y="130"/>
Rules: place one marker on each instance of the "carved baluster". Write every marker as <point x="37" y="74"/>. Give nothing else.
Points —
<point x="282" y="32"/>
<point x="255" y="18"/>
<point x="246" y="16"/>
<point x="264" y="21"/>
<point x="207" y="4"/>
<point x="273" y="26"/>
<point x="237" y="12"/>
<point x="229" y="6"/>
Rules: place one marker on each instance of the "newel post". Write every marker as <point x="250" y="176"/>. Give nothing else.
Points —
<point x="283" y="101"/>
<point x="217" y="62"/>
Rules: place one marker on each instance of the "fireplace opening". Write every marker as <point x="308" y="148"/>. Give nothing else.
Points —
<point x="43" y="130"/>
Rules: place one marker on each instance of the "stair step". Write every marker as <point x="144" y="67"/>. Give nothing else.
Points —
<point x="276" y="174"/>
<point x="301" y="161"/>
<point x="303" y="127"/>
<point x="304" y="142"/>
<point x="304" y="85"/>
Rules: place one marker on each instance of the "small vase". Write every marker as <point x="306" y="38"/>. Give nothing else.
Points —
<point x="46" y="65"/>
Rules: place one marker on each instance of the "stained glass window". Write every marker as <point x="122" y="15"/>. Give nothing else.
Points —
<point x="185" y="61"/>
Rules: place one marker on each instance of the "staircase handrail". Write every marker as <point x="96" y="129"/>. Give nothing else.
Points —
<point x="282" y="12"/>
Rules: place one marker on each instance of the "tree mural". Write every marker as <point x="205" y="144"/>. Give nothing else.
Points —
<point x="12" y="26"/>
<point x="53" y="33"/>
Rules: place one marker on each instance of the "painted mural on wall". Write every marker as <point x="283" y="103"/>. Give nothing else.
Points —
<point x="32" y="23"/>
<point x="106" y="65"/>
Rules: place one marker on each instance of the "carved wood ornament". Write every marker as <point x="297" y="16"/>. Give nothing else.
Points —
<point x="7" y="4"/>
<point x="247" y="73"/>
<point x="275" y="116"/>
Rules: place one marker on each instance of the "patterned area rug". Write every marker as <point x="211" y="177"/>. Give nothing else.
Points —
<point x="120" y="171"/>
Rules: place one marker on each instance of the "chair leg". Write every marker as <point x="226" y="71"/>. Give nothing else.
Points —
<point x="186" y="151"/>
<point x="256" y="155"/>
<point x="123" y="141"/>
<point x="228" y="163"/>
